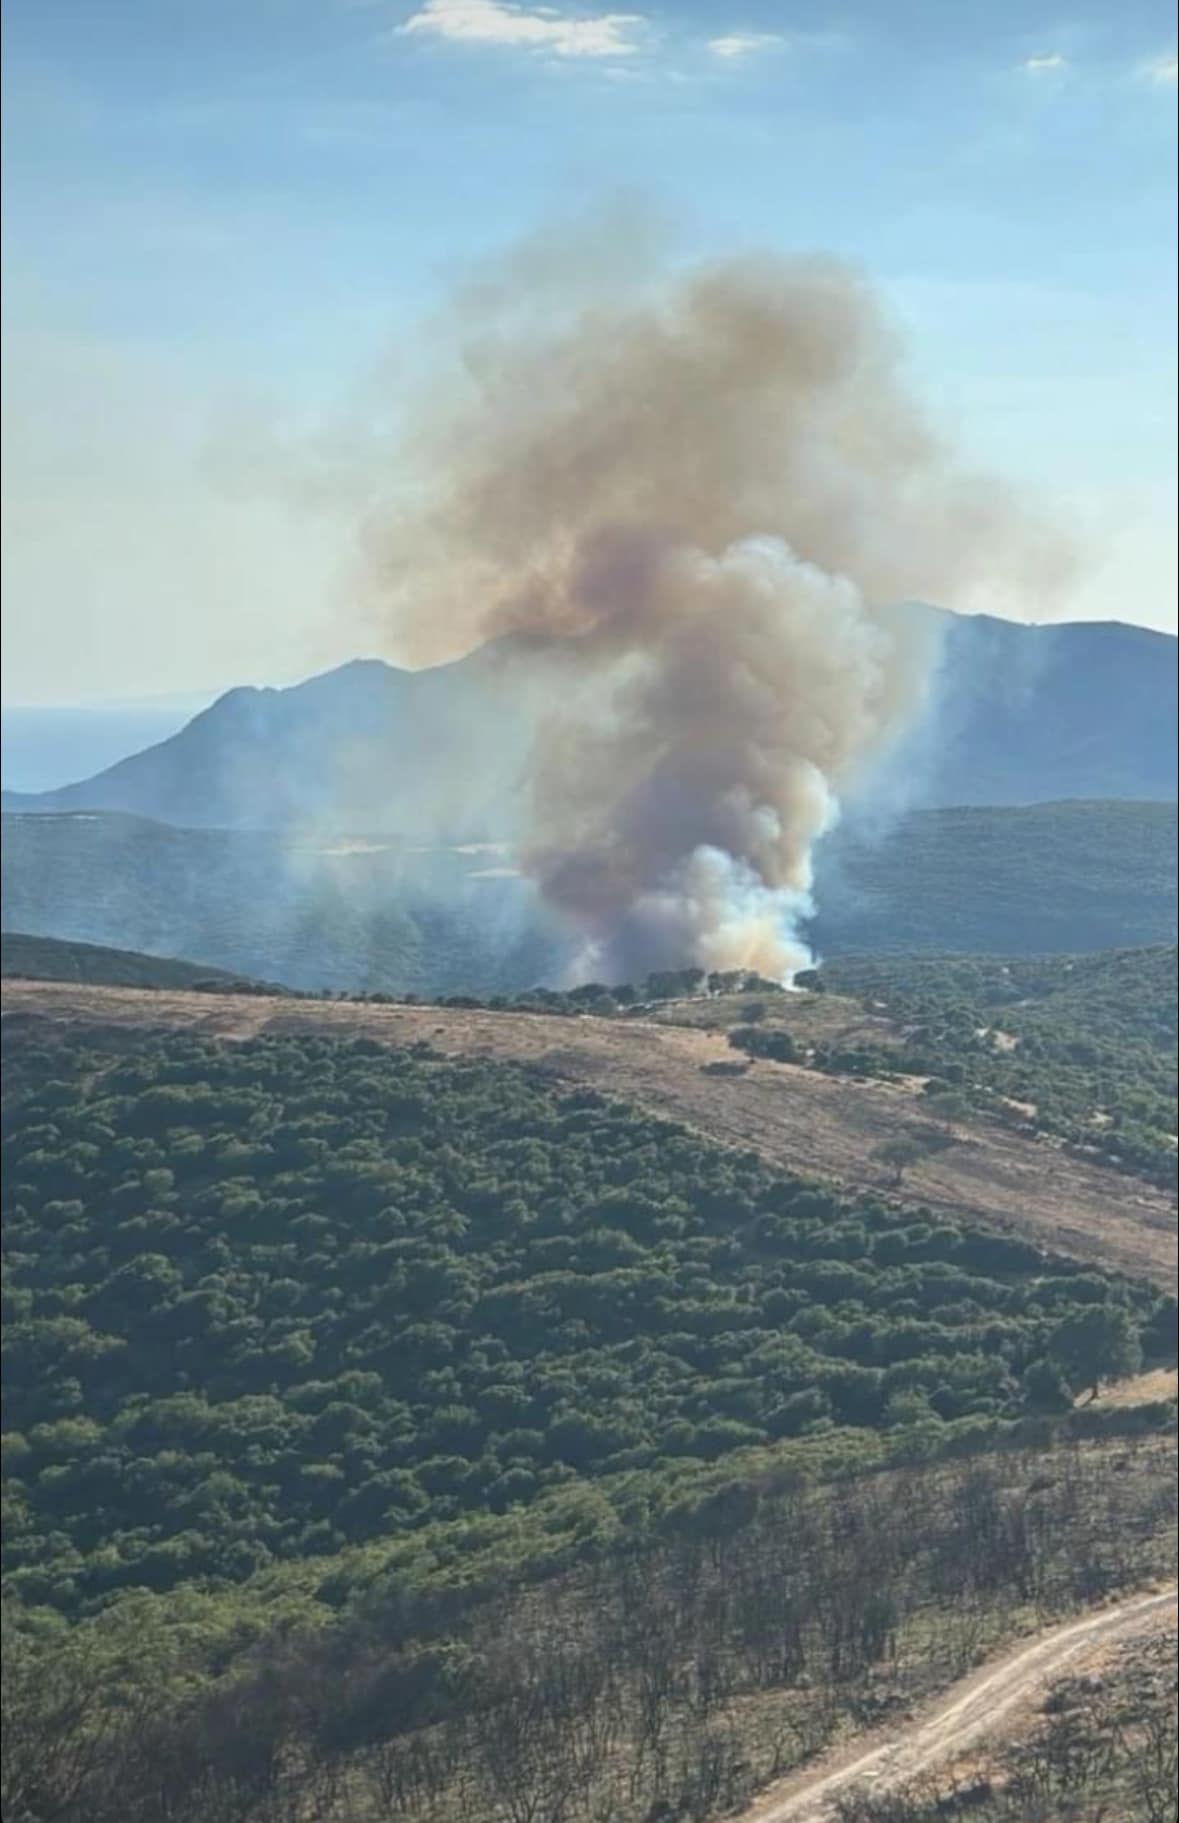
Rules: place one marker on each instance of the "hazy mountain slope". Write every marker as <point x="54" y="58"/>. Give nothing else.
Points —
<point x="1053" y="878"/>
<point x="365" y="746"/>
<point x="1021" y="715"/>
<point x="1031" y="714"/>
<point x="52" y="959"/>
<point x="311" y="914"/>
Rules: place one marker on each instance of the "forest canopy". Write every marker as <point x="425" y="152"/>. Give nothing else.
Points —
<point x="270" y="1300"/>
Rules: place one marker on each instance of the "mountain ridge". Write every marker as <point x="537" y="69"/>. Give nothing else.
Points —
<point x="1020" y="714"/>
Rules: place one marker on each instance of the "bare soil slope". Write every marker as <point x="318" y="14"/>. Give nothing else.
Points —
<point x="811" y="1124"/>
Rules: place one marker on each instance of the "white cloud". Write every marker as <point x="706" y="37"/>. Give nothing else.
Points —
<point x="1163" y="70"/>
<point x="540" y="28"/>
<point x="745" y="44"/>
<point x="1044" y="64"/>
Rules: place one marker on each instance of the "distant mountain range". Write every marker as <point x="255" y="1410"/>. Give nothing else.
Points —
<point x="337" y="834"/>
<point x="364" y="747"/>
<point x="1021" y="715"/>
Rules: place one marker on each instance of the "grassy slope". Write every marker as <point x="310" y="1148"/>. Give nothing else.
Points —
<point x="796" y="1118"/>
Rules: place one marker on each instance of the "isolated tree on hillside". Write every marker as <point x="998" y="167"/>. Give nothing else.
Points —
<point x="758" y="1041"/>
<point x="899" y="1155"/>
<point x="1096" y="1343"/>
<point x="909" y="1149"/>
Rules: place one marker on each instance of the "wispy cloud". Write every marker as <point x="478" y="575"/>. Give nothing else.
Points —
<point x="1044" y="63"/>
<point x="1163" y="70"/>
<point x="745" y="44"/>
<point x="540" y="28"/>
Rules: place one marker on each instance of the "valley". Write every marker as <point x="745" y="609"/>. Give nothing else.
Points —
<point x="316" y="909"/>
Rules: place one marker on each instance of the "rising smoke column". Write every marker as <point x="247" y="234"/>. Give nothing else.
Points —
<point x="700" y="505"/>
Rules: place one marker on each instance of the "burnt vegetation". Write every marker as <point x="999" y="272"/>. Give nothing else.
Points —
<point x="666" y="1678"/>
<point x="1102" y="1749"/>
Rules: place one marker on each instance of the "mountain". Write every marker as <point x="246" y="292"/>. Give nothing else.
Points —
<point x="398" y="917"/>
<point x="1028" y="715"/>
<point x="1020" y="715"/>
<point x="366" y="746"/>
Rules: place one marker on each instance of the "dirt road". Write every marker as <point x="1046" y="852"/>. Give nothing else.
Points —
<point x="965" y="1717"/>
<point x="817" y="1126"/>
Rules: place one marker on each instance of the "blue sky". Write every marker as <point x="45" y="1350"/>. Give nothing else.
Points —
<point x="226" y="214"/>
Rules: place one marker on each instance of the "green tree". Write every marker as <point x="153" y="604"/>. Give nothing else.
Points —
<point x="899" y="1155"/>
<point x="1099" y="1342"/>
<point x="1045" y="1388"/>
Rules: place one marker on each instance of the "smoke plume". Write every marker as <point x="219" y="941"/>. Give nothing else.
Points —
<point x="701" y="505"/>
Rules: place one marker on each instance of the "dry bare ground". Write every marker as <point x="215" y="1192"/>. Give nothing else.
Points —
<point x="815" y="1125"/>
<point x="971" y="1715"/>
<point x="1140" y="1389"/>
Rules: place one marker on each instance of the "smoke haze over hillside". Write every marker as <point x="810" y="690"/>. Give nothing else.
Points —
<point x="700" y="502"/>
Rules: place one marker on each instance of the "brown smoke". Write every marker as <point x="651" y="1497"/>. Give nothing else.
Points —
<point x="703" y="501"/>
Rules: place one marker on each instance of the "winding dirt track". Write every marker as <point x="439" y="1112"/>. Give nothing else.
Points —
<point x="815" y="1125"/>
<point x="967" y="1716"/>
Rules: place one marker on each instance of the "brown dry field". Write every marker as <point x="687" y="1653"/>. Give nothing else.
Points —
<point x="816" y="1126"/>
<point x="1141" y="1389"/>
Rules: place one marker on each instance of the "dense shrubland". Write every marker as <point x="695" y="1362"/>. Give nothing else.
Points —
<point x="269" y="1300"/>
